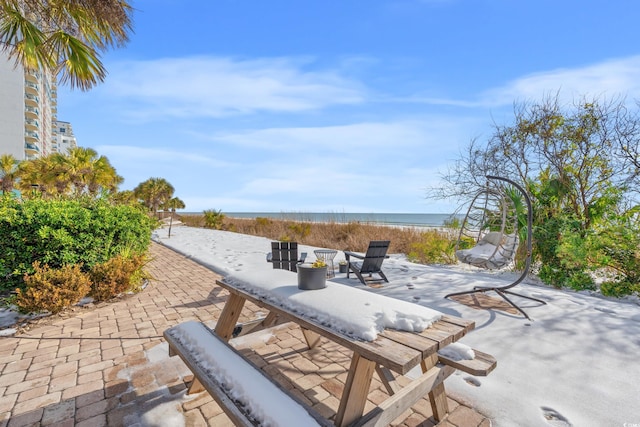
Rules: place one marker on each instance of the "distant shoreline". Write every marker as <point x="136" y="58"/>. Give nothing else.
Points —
<point x="427" y="220"/>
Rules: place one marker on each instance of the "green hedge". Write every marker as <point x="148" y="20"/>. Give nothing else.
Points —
<point x="63" y="232"/>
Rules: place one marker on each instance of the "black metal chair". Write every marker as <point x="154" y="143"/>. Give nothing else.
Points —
<point x="284" y="255"/>
<point x="371" y="262"/>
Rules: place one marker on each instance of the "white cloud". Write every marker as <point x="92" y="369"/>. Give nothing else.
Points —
<point x="609" y="78"/>
<point x="612" y="78"/>
<point x="320" y="189"/>
<point x="362" y="167"/>
<point x="356" y="139"/>
<point x="214" y="87"/>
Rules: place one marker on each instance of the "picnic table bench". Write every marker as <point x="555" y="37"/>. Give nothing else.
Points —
<point x="220" y="369"/>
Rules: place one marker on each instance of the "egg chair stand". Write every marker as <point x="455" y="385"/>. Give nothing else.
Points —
<point x="492" y="224"/>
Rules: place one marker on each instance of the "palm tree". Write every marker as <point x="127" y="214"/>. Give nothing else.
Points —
<point x="173" y="204"/>
<point x="8" y="169"/>
<point x="64" y="36"/>
<point x="90" y="174"/>
<point x="36" y="175"/>
<point x="125" y="197"/>
<point x="59" y="176"/>
<point x="79" y="173"/>
<point x="154" y="193"/>
<point x="103" y="177"/>
<point x="79" y="162"/>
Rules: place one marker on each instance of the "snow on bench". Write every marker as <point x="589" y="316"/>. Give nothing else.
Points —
<point x="466" y="359"/>
<point x="242" y="390"/>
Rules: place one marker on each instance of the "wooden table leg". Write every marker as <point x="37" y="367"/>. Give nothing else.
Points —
<point x="312" y="338"/>
<point x="437" y="396"/>
<point x="229" y="316"/>
<point x="388" y="380"/>
<point x="356" y="390"/>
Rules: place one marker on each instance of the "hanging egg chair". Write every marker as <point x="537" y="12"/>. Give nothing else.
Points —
<point x="493" y="229"/>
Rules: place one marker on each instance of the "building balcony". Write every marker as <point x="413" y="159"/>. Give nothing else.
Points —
<point x="31" y="136"/>
<point x="31" y="100"/>
<point x="31" y="124"/>
<point x="31" y="88"/>
<point x="32" y="76"/>
<point x="31" y="149"/>
<point x="31" y="112"/>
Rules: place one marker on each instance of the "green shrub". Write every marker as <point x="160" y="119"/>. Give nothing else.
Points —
<point x="213" y="219"/>
<point x="52" y="290"/>
<point x="580" y="280"/>
<point x="561" y="277"/>
<point x="619" y="288"/>
<point x="62" y="232"/>
<point x="618" y="246"/>
<point x="434" y="248"/>
<point x="566" y="253"/>
<point x="552" y="276"/>
<point x="300" y="229"/>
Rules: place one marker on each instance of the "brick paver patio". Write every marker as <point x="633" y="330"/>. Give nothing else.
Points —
<point x="108" y="365"/>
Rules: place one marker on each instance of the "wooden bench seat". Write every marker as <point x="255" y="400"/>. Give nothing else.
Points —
<point x="479" y="366"/>
<point x="243" y="391"/>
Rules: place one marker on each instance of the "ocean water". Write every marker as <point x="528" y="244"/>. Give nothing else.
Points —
<point x="392" y="219"/>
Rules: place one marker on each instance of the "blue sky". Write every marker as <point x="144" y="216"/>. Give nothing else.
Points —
<point x="337" y="106"/>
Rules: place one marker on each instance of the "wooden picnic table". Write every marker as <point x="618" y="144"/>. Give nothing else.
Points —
<point x="393" y="351"/>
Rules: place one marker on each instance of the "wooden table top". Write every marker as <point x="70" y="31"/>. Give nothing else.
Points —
<point x="399" y="351"/>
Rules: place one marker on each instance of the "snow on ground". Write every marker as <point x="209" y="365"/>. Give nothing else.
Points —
<point x="575" y="364"/>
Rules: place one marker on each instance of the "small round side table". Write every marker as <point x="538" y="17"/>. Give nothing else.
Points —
<point x="327" y="255"/>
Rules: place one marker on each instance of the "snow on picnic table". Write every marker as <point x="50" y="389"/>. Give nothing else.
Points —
<point x="351" y="311"/>
<point x="576" y="364"/>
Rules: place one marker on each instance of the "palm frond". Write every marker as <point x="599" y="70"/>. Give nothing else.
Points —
<point x="22" y="38"/>
<point x="78" y="63"/>
<point x="64" y="36"/>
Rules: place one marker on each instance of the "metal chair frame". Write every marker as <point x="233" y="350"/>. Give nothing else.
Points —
<point x="502" y="291"/>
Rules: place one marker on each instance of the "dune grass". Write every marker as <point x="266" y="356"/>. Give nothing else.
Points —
<point x="424" y="245"/>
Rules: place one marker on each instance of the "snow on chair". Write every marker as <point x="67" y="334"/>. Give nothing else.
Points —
<point x="491" y="232"/>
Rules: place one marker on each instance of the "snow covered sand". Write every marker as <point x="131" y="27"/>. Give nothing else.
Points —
<point x="575" y="364"/>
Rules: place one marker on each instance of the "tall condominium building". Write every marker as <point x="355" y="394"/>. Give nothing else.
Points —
<point x="65" y="139"/>
<point x="28" y="108"/>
